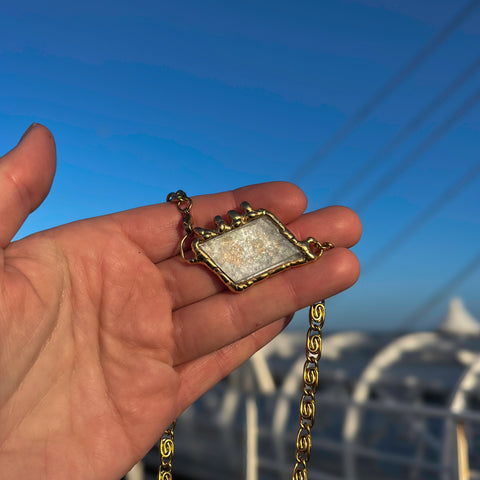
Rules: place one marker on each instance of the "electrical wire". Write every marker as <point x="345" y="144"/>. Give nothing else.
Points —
<point x="406" y="131"/>
<point x="351" y="124"/>
<point x="423" y="218"/>
<point x="417" y="152"/>
<point x="420" y="313"/>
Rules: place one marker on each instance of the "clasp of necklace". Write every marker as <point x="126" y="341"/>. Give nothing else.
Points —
<point x="184" y="205"/>
<point x="317" y="247"/>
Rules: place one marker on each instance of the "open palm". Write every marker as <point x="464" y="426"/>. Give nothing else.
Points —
<point x="107" y="335"/>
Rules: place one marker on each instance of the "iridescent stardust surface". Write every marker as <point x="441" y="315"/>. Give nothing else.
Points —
<point x="250" y="250"/>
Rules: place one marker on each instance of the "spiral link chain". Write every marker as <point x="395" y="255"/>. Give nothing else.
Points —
<point x="313" y="351"/>
<point x="166" y="453"/>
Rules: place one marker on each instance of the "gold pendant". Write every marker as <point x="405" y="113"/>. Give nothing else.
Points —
<point x="253" y="247"/>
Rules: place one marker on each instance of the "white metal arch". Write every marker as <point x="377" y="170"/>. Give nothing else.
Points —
<point x="290" y="389"/>
<point x="469" y="380"/>
<point x="293" y="380"/>
<point x="372" y="373"/>
<point x="137" y="472"/>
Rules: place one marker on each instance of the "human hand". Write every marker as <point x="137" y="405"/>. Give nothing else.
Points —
<point x="107" y="335"/>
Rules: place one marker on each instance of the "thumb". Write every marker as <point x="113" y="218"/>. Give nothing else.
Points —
<point x="26" y="175"/>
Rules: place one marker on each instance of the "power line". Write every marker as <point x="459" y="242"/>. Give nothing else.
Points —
<point x="411" y="158"/>
<point x="419" y="314"/>
<point x="423" y="218"/>
<point x="385" y="91"/>
<point x="399" y="138"/>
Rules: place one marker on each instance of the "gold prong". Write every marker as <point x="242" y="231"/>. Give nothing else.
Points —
<point x="220" y="223"/>
<point x="236" y="218"/>
<point x="246" y="207"/>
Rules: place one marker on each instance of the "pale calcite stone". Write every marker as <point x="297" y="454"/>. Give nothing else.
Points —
<point x="251" y="250"/>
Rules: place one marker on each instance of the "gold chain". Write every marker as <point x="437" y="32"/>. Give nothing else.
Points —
<point x="166" y="453"/>
<point x="313" y="351"/>
<point x="184" y="204"/>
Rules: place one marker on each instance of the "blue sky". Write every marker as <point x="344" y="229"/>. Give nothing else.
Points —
<point x="147" y="97"/>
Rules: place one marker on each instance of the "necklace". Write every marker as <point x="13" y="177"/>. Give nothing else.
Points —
<point x="252" y="248"/>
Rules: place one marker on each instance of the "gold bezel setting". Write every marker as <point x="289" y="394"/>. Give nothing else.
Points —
<point x="238" y="220"/>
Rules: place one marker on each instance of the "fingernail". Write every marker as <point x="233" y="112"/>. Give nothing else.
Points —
<point x="28" y="130"/>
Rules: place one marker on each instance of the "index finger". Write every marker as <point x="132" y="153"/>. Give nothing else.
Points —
<point x="157" y="229"/>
